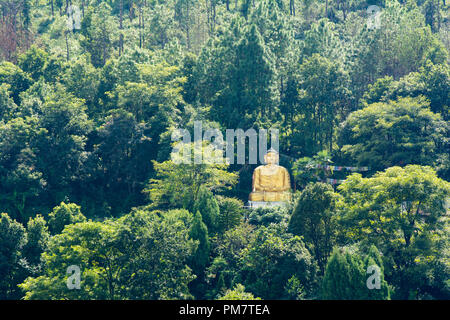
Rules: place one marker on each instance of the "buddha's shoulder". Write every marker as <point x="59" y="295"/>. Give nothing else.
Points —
<point x="262" y="167"/>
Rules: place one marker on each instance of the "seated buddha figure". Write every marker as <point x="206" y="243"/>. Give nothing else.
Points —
<point x="270" y="182"/>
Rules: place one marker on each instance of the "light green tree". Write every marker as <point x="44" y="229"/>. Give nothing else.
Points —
<point x="177" y="185"/>
<point x="63" y="215"/>
<point x="402" y="212"/>
<point x="139" y="256"/>
<point x="238" y="293"/>
<point x="385" y="134"/>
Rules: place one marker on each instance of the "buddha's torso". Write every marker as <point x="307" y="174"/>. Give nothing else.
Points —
<point x="271" y="176"/>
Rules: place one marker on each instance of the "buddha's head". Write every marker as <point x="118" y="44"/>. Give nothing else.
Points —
<point x="271" y="157"/>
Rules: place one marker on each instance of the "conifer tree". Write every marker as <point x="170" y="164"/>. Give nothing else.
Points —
<point x="199" y="232"/>
<point x="347" y="277"/>
<point x="208" y="207"/>
<point x="200" y="256"/>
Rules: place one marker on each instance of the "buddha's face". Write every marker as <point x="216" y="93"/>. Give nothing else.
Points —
<point x="271" y="158"/>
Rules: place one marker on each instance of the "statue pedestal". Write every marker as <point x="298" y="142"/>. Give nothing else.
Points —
<point x="266" y="204"/>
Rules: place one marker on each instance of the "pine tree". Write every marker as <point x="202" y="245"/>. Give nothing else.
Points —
<point x="231" y="213"/>
<point x="236" y="76"/>
<point x="347" y="276"/>
<point x="200" y="257"/>
<point x="208" y="207"/>
<point x="199" y="232"/>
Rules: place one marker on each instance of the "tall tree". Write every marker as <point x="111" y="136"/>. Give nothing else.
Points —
<point x="243" y="93"/>
<point x="208" y="207"/>
<point x="37" y="242"/>
<point x="322" y="101"/>
<point x="393" y="133"/>
<point x="346" y="278"/>
<point x="314" y="218"/>
<point x="63" y="215"/>
<point x="99" y="31"/>
<point x="402" y="212"/>
<point x="140" y="256"/>
<point x="178" y="184"/>
<point x="12" y="240"/>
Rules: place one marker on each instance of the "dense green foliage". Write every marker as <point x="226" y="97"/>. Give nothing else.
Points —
<point x="90" y="95"/>
<point x="315" y="219"/>
<point x="346" y="274"/>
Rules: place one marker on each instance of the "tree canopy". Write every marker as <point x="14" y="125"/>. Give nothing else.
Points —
<point x="93" y="186"/>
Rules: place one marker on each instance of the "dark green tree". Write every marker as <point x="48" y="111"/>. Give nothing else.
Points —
<point x="346" y="278"/>
<point x="200" y="257"/>
<point x="7" y="105"/>
<point x="230" y="213"/>
<point x="16" y="78"/>
<point x="243" y="92"/>
<point x="37" y="242"/>
<point x="314" y="218"/>
<point x="199" y="232"/>
<point x="208" y="207"/>
<point x="33" y="62"/>
<point x="99" y="31"/>
<point x="272" y="259"/>
<point x="60" y="153"/>
<point x="21" y="182"/>
<point x="63" y="215"/>
<point x="322" y="101"/>
<point x="12" y="240"/>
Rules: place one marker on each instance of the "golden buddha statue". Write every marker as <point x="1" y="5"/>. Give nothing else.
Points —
<point x="270" y="182"/>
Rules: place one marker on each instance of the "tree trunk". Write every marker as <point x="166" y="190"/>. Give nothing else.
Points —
<point x="67" y="46"/>
<point x="143" y="26"/>
<point x="188" y="38"/>
<point x="140" y="29"/>
<point x="121" y="28"/>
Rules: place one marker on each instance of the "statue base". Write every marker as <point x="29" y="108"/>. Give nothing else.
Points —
<point x="266" y="204"/>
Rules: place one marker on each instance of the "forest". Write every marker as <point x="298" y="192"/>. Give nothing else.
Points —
<point x="92" y="90"/>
